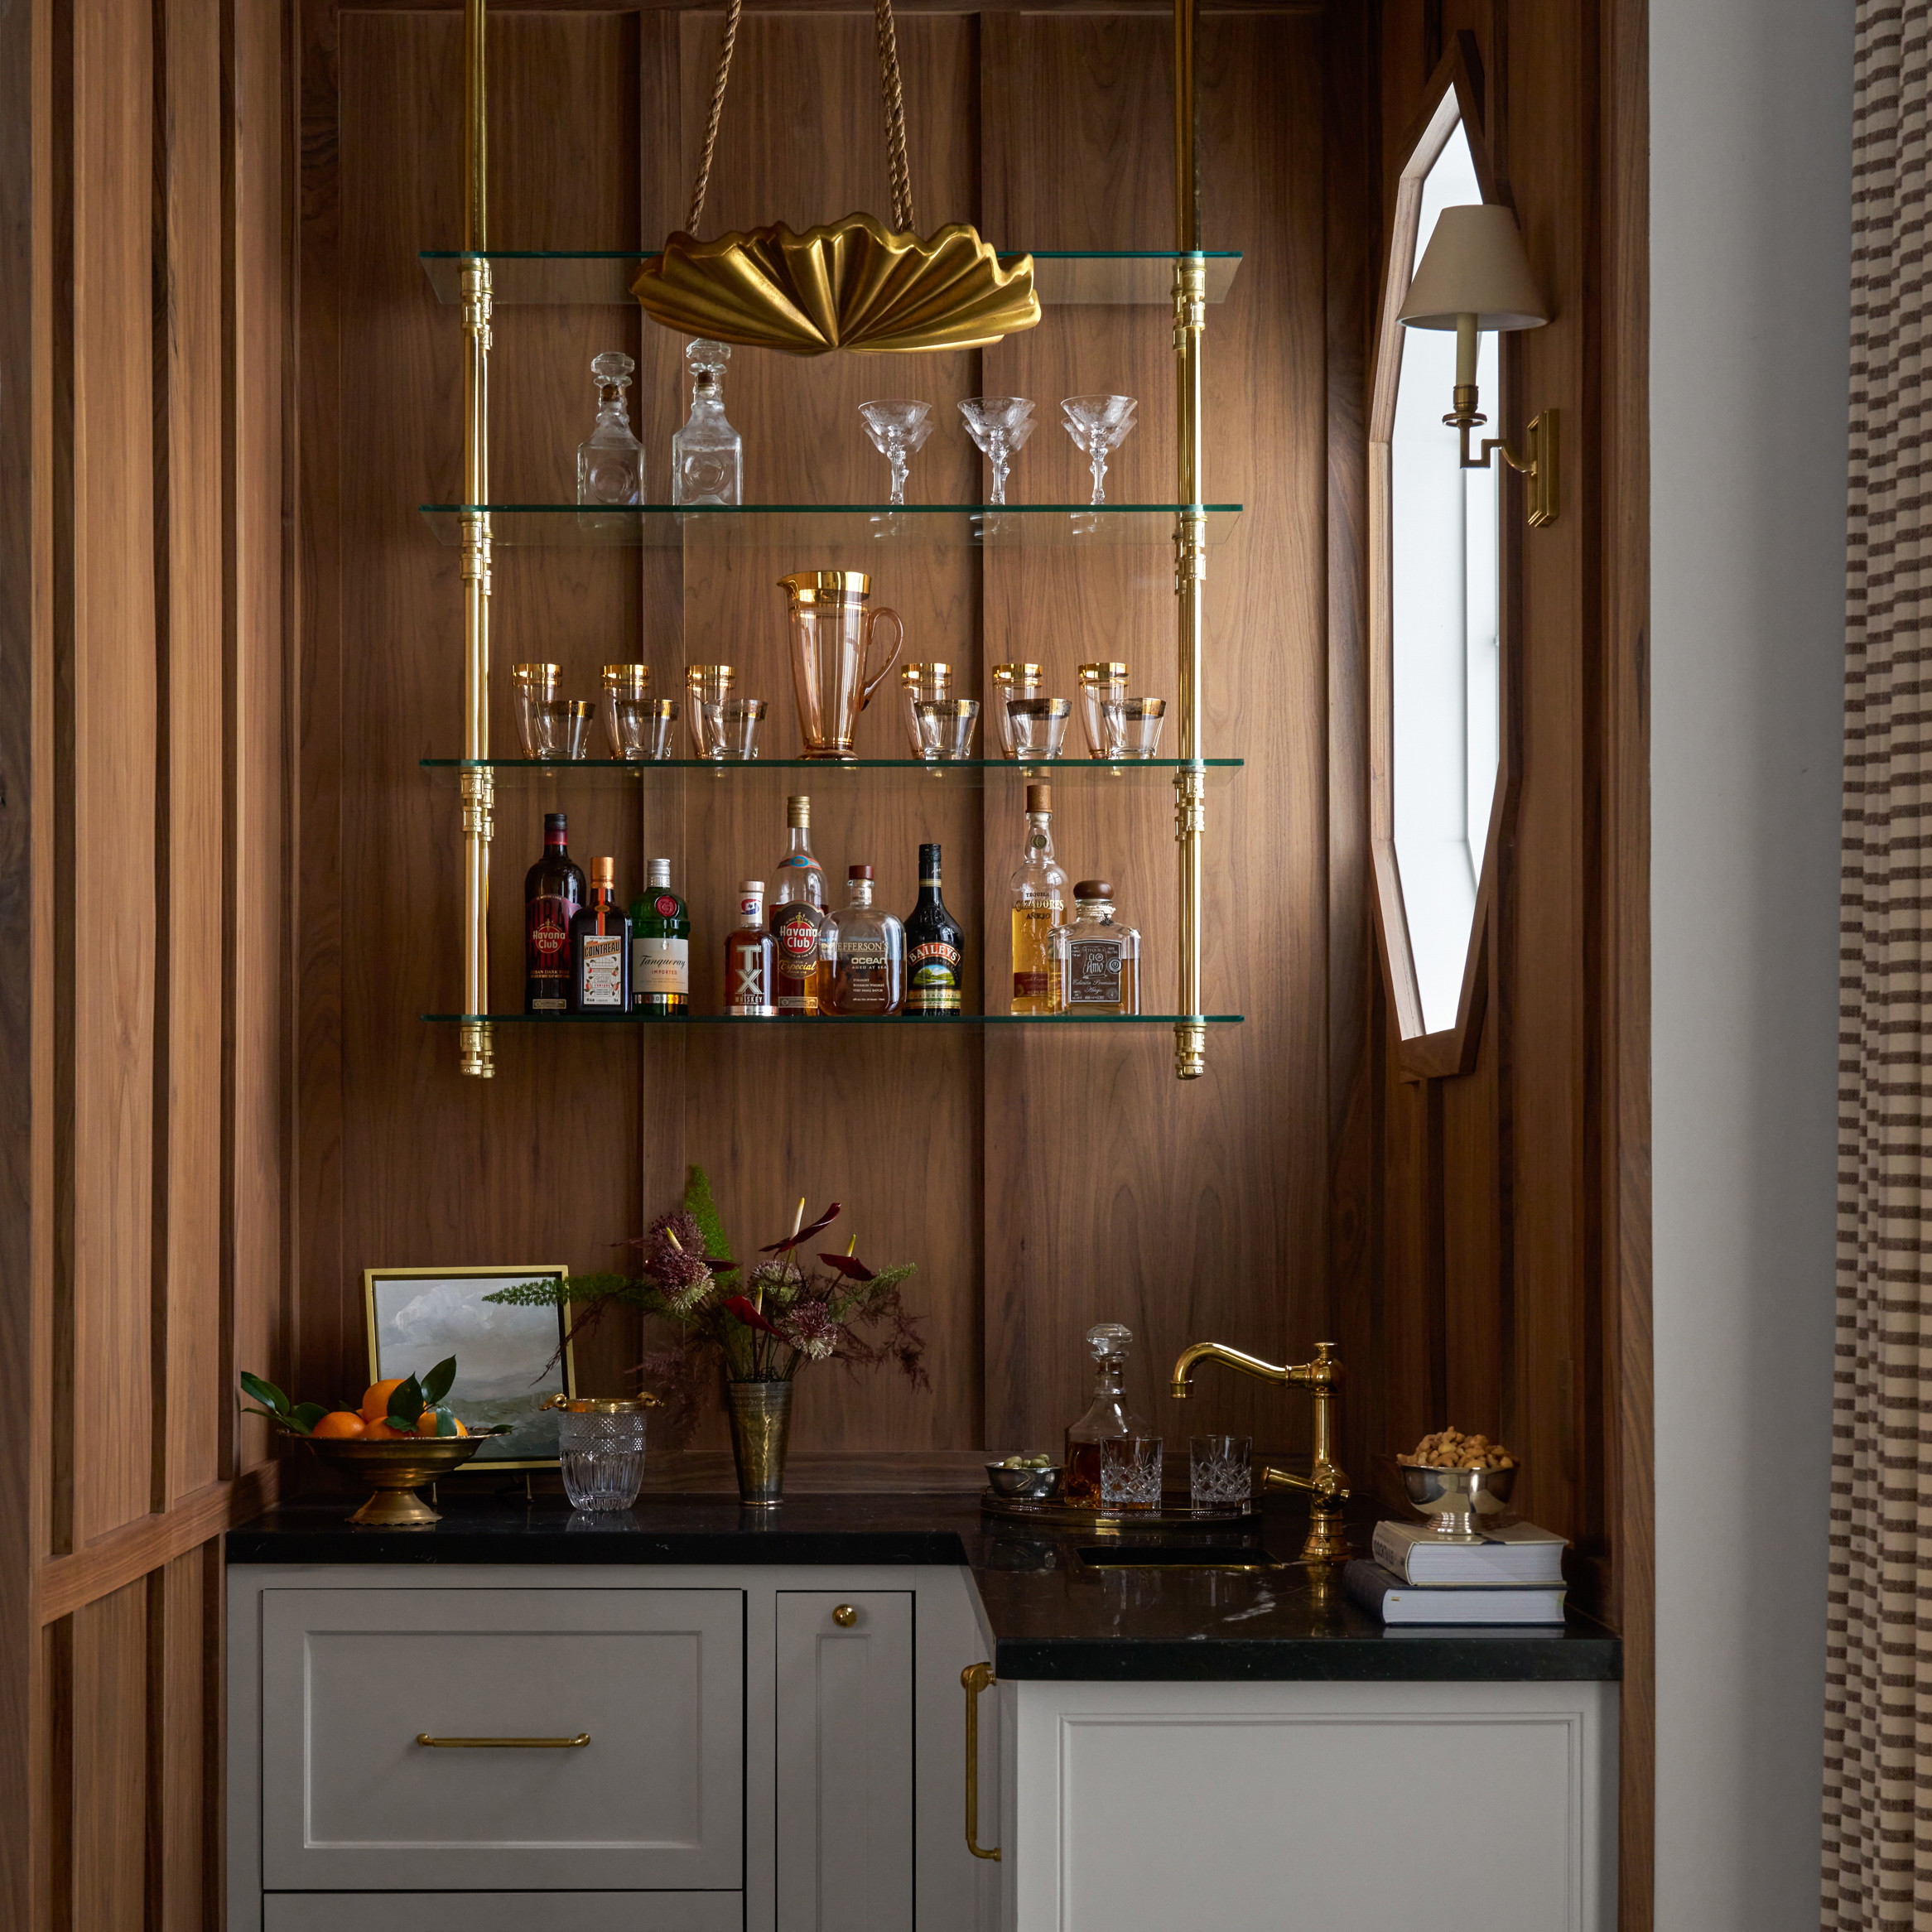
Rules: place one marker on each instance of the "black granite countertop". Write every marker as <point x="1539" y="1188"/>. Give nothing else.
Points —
<point x="1052" y="1616"/>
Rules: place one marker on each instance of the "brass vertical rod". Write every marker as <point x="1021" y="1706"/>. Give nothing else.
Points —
<point x="1190" y="538"/>
<point x="474" y="1047"/>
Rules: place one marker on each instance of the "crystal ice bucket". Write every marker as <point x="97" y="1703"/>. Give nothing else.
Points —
<point x="832" y="634"/>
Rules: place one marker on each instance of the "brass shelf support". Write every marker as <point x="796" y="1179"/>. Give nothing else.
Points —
<point x="1190" y="539"/>
<point x="1325" y="1484"/>
<point x="475" y="1049"/>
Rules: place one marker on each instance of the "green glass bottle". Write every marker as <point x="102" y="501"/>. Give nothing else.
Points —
<point x="660" y="927"/>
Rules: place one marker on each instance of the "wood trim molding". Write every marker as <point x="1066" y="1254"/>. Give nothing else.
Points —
<point x="69" y="1584"/>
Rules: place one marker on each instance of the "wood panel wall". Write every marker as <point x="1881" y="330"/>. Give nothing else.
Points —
<point x="1501" y="1279"/>
<point x="146" y="840"/>
<point x="1042" y="1184"/>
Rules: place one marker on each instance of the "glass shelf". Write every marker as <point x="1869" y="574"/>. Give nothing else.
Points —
<point x="662" y="527"/>
<point x="828" y="1019"/>
<point x="561" y="277"/>
<point x="529" y="774"/>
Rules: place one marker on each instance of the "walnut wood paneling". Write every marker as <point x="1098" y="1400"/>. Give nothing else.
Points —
<point x="144" y="768"/>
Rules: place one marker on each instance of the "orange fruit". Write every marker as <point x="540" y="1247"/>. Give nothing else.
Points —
<point x="379" y="1431"/>
<point x="425" y="1424"/>
<point x="338" y="1425"/>
<point x="375" y="1399"/>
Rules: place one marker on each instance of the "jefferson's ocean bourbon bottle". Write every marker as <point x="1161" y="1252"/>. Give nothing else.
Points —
<point x="935" y="946"/>
<point x="553" y="889"/>
<point x="865" y="953"/>
<point x="798" y="910"/>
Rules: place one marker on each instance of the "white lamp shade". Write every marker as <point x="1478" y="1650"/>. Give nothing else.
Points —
<point x="1474" y="265"/>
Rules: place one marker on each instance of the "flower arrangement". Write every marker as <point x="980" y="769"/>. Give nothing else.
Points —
<point x="758" y="1324"/>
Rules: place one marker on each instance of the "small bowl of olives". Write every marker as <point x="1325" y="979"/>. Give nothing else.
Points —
<point x="1030" y="1478"/>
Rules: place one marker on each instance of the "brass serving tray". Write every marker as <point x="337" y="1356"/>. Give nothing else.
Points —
<point x="1053" y="1514"/>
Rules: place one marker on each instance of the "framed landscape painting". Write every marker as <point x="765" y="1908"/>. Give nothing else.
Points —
<point x="509" y="1361"/>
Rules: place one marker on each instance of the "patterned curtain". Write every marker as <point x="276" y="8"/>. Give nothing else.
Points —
<point x="1878" y="1710"/>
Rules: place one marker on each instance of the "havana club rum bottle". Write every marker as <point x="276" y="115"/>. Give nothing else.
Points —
<point x="553" y="889"/>
<point x="798" y="910"/>
<point x="600" y="947"/>
<point x="935" y="946"/>
<point x="751" y="959"/>
<point x="660" y="945"/>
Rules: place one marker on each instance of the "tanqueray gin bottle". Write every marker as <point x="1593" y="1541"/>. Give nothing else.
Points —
<point x="707" y="454"/>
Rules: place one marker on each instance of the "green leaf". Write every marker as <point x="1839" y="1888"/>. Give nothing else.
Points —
<point x="405" y="1403"/>
<point x="265" y="1392"/>
<point x="305" y="1415"/>
<point x="702" y="1209"/>
<point x="436" y="1385"/>
<point x="445" y="1422"/>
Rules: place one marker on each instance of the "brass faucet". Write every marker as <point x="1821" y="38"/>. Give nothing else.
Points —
<point x="1328" y="1487"/>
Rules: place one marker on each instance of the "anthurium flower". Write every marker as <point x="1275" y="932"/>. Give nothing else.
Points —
<point x="741" y="1306"/>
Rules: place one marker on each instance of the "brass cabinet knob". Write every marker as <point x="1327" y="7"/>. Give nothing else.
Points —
<point x="845" y="1615"/>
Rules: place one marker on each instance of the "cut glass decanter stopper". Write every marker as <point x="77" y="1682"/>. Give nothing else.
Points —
<point x="611" y="464"/>
<point x="707" y="454"/>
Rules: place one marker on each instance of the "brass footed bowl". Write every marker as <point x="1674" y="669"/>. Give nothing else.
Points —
<point x="1456" y="1498"/>
<point x="395" y="1471"/>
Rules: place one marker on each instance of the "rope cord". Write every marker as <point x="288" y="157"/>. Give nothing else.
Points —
<point x="733" y="12"/>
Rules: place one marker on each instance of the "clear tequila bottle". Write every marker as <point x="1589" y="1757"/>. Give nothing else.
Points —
<point x="610" y="463"/>
<point x="707" y="454"/>
<point x="1038" y="898"/>
<point x="1099" y="957"/>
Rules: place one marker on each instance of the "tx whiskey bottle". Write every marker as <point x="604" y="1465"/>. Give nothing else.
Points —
<point x="553" y="889"/>
<point x="751" y="959"/>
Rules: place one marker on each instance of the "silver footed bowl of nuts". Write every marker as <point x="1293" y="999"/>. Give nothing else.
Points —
<point x="1459" y="1480"/>
<point x="1031" y="1478"/>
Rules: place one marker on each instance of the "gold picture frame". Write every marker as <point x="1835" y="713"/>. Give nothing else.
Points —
<point x="412" y="1331"/>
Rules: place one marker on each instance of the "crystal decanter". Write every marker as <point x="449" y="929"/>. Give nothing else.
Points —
<point x="1107" y="1415"/>
<point x="611" y="464"/>
<point x="707" y="454"/>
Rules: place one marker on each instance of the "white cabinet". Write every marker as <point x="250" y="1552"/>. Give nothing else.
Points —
<point x="354" y="1797"/>
<point x="844" y="1760"/>
<point x="1464" y="1807"/>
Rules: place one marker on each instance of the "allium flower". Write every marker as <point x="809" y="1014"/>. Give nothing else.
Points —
<point x="779" y="1280"/>
<point x="811" y="1328"/>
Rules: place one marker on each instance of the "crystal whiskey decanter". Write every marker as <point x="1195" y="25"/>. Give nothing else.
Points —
<point x="707" y="454"/>
<point x="611" y="464"/>
<point x="1107" y="1415"/>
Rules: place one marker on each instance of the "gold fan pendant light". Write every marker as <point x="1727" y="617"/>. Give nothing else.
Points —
<point x="855" y="284"/>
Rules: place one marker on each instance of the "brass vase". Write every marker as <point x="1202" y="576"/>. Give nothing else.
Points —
<point x="761" y="1423"/>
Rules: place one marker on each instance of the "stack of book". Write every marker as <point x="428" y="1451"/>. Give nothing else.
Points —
<point x="1515" y="1575"/>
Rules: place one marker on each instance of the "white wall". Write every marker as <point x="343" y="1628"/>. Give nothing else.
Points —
<point x="1749" y="200"/>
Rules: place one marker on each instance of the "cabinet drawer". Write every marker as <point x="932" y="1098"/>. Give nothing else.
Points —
<point x="351" y="1801"/>
<point x="506" y="1912"/>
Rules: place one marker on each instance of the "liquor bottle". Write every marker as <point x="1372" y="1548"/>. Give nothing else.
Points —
<point x="660" y="945"/>
<point x="798" y="910"/>
<point x="1038" y="900"/>
<point x="707" y="454"/>
<point x="751" y="959"/>
<point x="935" y="946"/>
<point x="865" y="953"/>
<point x="553" y="889"/>
<point x="1099" y="957"/>
<point x="1107" y="1415"/>
<point x="600" y="947"/>
<point x="610" y="461"/>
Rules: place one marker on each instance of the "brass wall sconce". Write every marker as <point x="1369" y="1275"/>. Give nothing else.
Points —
<point x="1474" y="275"/>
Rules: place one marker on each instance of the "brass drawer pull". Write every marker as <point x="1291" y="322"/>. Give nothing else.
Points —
<point x="845" y="1616"/>
<point x="576" y="1743"/>
<point x="975" y="1677"/>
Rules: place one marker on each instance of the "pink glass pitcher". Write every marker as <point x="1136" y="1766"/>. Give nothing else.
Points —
<point x="831" y="638"/>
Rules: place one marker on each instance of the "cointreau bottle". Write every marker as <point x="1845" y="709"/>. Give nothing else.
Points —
<point x="660" y="945"/>
<point x="600" y="947"/>
<point x="935" y="946"/>
<point x="865" y="953"/>
<point x="553" y="889"/>
<point x="751" y="959"/>
<point x="798" y="909"/>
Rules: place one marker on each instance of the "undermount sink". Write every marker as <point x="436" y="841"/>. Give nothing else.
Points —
<point x="1171" y="1556"/>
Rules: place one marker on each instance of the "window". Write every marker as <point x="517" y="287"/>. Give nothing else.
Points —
<point x="1436" y="603"/>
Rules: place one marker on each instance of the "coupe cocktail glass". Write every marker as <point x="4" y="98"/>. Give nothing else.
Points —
<point x="896" y="429"/>
<point x="999" y="424"/>
<point x="1099" y="425"/>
